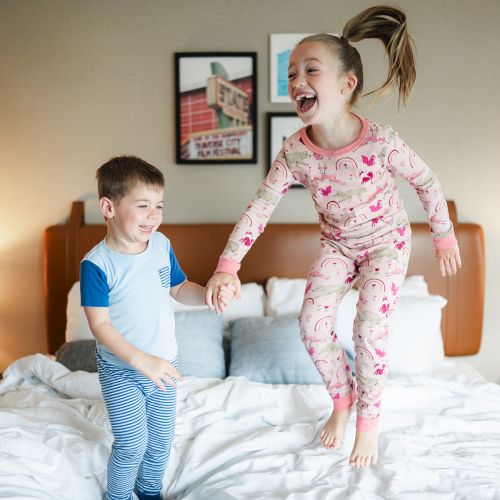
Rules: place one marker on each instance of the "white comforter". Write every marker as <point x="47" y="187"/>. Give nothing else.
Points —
<point x="235" y="439"/>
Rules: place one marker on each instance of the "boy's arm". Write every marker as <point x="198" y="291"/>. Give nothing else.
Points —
<point x="102" y="329"/>
<point x="189" y="293"/>
<point x="156" y="369"/>
<point x="192" y="294"/>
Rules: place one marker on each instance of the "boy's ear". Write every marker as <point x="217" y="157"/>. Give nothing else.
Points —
<point x="107" y="208"/>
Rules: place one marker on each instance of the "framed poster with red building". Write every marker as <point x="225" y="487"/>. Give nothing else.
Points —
<point x="216" y="101"/>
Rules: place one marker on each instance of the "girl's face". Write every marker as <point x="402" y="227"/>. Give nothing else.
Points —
<point x="316" y="84"/>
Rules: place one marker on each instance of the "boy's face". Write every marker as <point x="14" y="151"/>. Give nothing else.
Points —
<point x="133" y="219"/>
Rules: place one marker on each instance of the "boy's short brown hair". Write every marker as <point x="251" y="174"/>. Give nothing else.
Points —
<point x="120" y="174"/>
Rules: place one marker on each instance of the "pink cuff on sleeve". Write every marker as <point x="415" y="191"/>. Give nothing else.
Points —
<point x="444" y="243"/>
<point x="228" y="265"/>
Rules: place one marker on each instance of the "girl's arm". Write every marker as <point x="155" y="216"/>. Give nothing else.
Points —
<point x="449" y="260"/>
<point x="404" y="161"/>
<point x="250" y="225"/>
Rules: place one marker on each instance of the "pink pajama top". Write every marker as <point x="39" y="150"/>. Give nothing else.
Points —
<point x="353" y="189"/>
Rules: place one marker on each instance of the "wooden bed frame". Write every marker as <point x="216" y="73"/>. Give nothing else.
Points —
<point x="285" y="250"/>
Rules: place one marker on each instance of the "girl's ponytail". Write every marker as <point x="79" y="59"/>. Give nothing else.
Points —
<point x="389" y="25"/>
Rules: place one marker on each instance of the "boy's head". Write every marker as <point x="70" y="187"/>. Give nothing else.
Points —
<point x="122" y="173"/>
<point x="131" y="201"/>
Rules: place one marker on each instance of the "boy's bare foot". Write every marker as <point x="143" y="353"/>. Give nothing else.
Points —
<point x="334" y="430"/>
<point x="365" y="450"/>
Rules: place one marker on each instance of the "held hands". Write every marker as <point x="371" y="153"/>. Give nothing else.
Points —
<point x="449" y="261"/>
<point x="220" y="290"/>
<point x="158" y="370"/>
<point x="225" y="296"/>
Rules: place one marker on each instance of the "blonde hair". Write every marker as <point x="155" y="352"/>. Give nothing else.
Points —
<point x="388" y="24"/>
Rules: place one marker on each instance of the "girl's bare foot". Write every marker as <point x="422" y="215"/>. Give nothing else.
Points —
<point x="334" y="430"/>
<point x="365" y="450"/>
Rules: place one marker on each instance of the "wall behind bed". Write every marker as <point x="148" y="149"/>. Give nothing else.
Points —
<point x="82" y="81"/>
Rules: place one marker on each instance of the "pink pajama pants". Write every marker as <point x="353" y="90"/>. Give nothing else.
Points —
<point x="378" y="271"/>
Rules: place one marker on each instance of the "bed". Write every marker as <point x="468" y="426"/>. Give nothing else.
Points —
<point x="248" y="427"/>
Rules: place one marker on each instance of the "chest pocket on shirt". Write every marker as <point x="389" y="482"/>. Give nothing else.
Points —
<point x="164" y="273"/>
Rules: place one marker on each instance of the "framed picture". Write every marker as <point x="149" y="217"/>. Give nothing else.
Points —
<point x="215" y="107"/>
<point x="281" y="47"/>
<point x="280" y="126"/>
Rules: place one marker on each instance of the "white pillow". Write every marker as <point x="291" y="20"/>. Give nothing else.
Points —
<point x="414" y="286"/>
<point x="77" y="327"/>
<point x="251" y="304"/>
<point x="285" y="295"/>
<point x="415" y="340"/>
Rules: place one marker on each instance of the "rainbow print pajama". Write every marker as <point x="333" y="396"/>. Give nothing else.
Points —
<point x="365" y="239"/>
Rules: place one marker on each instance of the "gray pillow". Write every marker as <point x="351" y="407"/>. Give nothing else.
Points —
<point x="78" y="355"/>
<point x="270" y="350"/>
<point x="199" y="338"/>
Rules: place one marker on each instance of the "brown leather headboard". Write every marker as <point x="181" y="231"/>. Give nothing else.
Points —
<point x="285" y="250"/>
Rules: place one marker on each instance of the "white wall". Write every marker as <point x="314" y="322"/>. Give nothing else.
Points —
<point x="83" y="81"/>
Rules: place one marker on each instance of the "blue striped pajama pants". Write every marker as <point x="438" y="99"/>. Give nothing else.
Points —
<point x="142" y="419"/>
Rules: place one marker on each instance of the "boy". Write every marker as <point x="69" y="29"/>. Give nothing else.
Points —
<point x="126" y="280"/>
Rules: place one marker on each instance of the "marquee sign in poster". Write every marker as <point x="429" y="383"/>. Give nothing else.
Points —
<point x="216" y="107"/>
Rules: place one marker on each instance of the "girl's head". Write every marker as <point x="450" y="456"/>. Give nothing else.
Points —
<point x="325" y="64"/>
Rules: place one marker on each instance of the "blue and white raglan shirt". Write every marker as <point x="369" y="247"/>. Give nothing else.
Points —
<point x="136" y="289"/>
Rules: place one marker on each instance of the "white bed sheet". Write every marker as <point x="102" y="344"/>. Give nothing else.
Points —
<point x="236" y="439"/>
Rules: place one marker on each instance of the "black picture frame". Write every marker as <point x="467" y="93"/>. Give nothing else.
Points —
<point x="216" y="107"/>
<point x="279" y="127"/>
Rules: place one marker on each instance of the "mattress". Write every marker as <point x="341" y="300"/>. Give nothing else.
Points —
<point x="238" y="439"/>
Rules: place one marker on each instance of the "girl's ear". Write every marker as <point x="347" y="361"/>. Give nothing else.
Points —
<point x="350" y="83"/>
<point x="107" y="208"/>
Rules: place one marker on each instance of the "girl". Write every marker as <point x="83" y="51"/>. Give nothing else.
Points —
<point x="348" y="164"/>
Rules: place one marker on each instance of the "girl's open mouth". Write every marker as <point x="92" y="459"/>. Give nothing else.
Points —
<point x="305" y="102"/>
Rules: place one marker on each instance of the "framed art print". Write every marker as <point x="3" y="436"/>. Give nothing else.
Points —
<point x="281" y="46"/>
<point x="280" y="126"/>
<point x="216" y="99"/>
